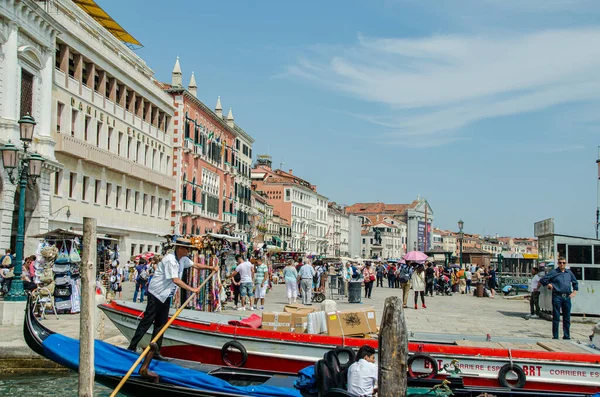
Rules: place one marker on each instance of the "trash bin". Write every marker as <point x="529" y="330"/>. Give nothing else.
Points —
<point x="479" y="291"/>
<point x="355" y="291"/>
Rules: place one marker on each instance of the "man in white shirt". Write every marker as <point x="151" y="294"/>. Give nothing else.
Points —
<point x="534" y="289"/>
<point x="164" y="282"/>
<point x="306" y="274"/>
<point x="362" y="375"/>
<point x="246" y="272"/>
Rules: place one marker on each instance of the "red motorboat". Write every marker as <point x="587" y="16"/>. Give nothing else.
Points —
<point x="208" y="338"/>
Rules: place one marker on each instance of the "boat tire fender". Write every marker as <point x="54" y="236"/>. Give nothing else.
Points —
<point x="521" y="377"/>
<point x="428" y="359"/>
<point x="234" y="345"/>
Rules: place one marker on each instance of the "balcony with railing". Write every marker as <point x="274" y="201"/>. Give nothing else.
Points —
<point x="197" y="210"/>
<point x="83" y="150"/>
<point x="188" y="145"/>
<point x="187" y="208"/>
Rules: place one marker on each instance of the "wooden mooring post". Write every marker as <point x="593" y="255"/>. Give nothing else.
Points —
<point x="86" y="316"/>
<point x="393" y="350"/>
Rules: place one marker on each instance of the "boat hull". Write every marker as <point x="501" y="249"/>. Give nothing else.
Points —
<point x="195" y="339"/>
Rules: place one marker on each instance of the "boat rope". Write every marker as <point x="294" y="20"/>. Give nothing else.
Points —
<point x="439" y="390"/>
<point x="510" y="357"/>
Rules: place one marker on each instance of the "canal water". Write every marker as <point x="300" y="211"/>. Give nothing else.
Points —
<point x="55" y="385"/>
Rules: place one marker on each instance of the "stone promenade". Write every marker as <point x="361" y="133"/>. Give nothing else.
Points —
<point x="454" y="317"/>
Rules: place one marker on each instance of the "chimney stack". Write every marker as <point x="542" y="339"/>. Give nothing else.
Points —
<point x="176" y="80"/>
<point x="291" y="172"/>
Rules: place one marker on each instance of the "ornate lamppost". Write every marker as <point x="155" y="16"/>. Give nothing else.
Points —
<point x="29" y="167"/>
<point x="461" y="236"/>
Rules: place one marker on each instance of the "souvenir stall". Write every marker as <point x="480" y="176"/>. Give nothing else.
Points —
<point x="212" y="249"/>
<point x="58" y="259"/>
<point x="57" y="268"/>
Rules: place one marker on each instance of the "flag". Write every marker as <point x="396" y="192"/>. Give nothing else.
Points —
<point x="211" y="135"/>
<point x="223" y="149"/>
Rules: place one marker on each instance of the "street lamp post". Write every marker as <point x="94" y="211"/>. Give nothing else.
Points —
<point x="30" y="166"/>
<point x="461" y="235"/>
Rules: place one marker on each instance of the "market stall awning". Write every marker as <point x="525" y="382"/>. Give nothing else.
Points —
<point x="227" y="237"/>
<point x="105" y="20"/>
<point x="277" y="239"/>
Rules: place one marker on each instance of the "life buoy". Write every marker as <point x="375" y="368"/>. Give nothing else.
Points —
<point x="521" y="377"/>
<point x="234" y="345"/>
<point x="428" y="359"/>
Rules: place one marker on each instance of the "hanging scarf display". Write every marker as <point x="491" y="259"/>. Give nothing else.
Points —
<point x="210" y="251"/>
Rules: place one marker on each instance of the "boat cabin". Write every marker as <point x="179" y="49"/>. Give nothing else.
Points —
<point x="583" y="258"/>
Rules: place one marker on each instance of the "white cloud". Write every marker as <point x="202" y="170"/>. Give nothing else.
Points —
<point x="435" y="85"/>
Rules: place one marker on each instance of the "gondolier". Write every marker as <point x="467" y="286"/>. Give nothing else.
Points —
<point x="564" y="286"/>
<point x="166" y="278"/>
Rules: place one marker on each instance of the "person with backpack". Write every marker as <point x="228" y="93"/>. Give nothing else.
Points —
<point x="141" y="280"/>
<point x="429" y="279"/>
<point x="404" y="273"/>
<point x="380" y="272"/>
<point x="391" y="276"/>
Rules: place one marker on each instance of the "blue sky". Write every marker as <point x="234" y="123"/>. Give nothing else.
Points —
<point x="488" y="108"/>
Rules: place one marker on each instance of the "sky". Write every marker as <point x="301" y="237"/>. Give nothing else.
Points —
<point x="489" y="109"/>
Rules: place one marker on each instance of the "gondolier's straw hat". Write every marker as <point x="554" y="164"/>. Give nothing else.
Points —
<point x="183" y="242"/>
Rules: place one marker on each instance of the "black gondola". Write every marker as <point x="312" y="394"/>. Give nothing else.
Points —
<point x="35" y="334"/>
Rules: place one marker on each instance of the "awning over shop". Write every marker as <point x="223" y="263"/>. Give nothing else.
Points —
<point x="68" y="234"/>
<point x="277" y="239"/>
<point x="105" y="20"/>
<point x="530" y="256"/>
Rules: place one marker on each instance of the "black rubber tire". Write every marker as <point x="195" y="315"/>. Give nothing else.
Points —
<point x="521" y="377"/>
<point x="237" y="346"/>
<point x="426" y="357"/>
<point x="319" y="297"/>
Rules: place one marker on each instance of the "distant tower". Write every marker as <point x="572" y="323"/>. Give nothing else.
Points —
<point x="192" y="87"/>
<point x="176" y="80"/>
<point x="264" y="159"/>
<point x="219" y="108"/>
<point x="598" y="195"/>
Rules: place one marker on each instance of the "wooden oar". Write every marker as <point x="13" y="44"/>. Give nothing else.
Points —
<point x="162" y="331"/>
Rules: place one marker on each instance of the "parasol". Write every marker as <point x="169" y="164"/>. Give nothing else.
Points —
<point x="415" y="256"/>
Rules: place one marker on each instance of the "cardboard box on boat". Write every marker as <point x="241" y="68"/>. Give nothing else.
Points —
<point x="298" y="311"/>
<point x="300" y="325"/>
<point x="295" y="308"/>
<point x="351" y="322"/>
<point x="276" y="321"/>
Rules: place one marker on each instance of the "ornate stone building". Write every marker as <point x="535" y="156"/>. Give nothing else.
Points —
<point x="112" y="124"/>
<point x="27" y="37"/>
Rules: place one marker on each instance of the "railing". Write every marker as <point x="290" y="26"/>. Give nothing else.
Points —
<point x="197" y="210"/>
<point x="188" y="145"/>
<point x="81" y="149"/>
<point x="187" y="207"/>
